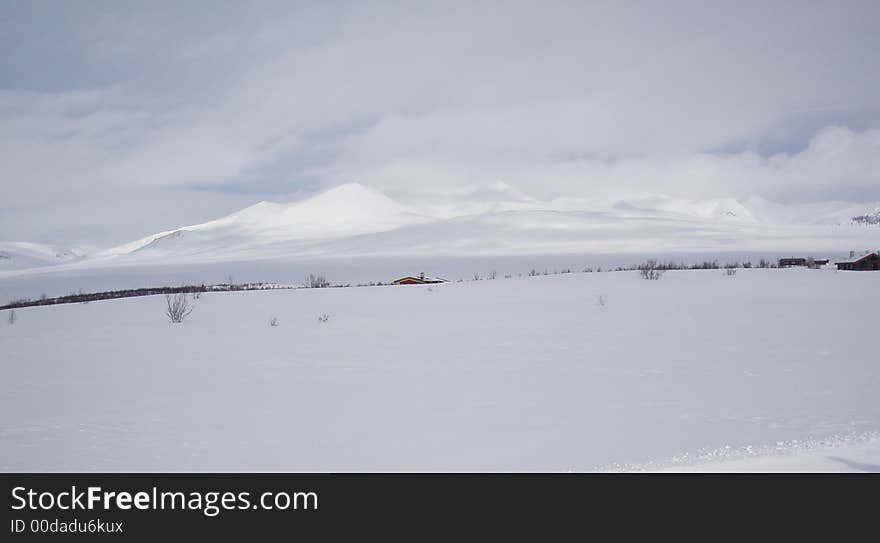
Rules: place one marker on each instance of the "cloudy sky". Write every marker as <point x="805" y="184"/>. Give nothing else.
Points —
<point x="119" y="119"/>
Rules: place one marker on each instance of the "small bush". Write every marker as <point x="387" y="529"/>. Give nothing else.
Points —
<point x="324" y="318"/>
<point x="178" y="307"/>
<point x="601" y="300"/>
<point x="729" y="271"/>
<point x="273" y="322"/>
<point x="650" y="270"/>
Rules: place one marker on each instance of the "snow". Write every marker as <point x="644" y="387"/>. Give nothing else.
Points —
<point x="528" y="373"/>
<point x="24" y="255"/>
<point x="354" y="220"/>
<point x="859" y="453"/>
<point x="345" y="210"/>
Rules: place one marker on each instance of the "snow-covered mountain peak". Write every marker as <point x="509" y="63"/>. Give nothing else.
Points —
<point x="357" y="219"/>
<point x="346" y="210"/>
<point x="351" y="200"/>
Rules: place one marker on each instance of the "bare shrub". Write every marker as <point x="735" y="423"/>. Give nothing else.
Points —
<point x="324" y="318"/>
<point x="729" y="271"/>
<point x="273" y="322"/>
<point x="12" y="318"/>
<point x="178" y="307"/>
<point x="492" y="274"/>
<point x="650" y="270"/>
<point x="316" y="281"/>
<point x="602" y="300"/>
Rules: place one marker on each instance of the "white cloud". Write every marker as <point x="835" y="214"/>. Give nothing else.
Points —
<point x="553" y="99"/>
<point x="836" y="157"/>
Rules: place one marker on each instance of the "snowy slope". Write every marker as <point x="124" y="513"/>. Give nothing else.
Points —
<point x="21" y="255"/>
<point x="723" y="209"/>
<point x="511" y="374"/>
<point x="343" y="211"/>
<point x="815" y="213"/>
<point x="858" y="453"/>
<point x="353" y="220"/>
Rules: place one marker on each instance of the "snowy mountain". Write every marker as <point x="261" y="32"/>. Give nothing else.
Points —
<point x="810" y="213"/>
<point x="346" y="210"/>
<point x="355" y="220"/>
<point x="722" y="209"/>
<point x="21" y="255"/>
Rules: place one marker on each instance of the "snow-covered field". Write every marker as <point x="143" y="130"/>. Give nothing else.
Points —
<point x="511" y="374"/>
<point x="859" y="453"/>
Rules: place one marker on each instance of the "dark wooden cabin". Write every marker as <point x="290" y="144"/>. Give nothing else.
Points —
<point x="792" y="262"/>
<point x="867" y="262"/>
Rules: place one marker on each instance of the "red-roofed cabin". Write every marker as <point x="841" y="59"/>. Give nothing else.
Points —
<point x="422" y="279"/>
<point x="868" y="262"/>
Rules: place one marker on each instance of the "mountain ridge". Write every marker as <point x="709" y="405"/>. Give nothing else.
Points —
<point x="353" y="219"/>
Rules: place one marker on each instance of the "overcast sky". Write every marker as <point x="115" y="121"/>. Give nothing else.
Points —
<point x="119" y="119"/>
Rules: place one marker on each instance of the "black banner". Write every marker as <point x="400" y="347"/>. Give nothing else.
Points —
<point x="415" y="506"/>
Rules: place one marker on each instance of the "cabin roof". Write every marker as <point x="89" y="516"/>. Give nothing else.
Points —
<point x="856" y="259"/>
<point x="422" y="279"/>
